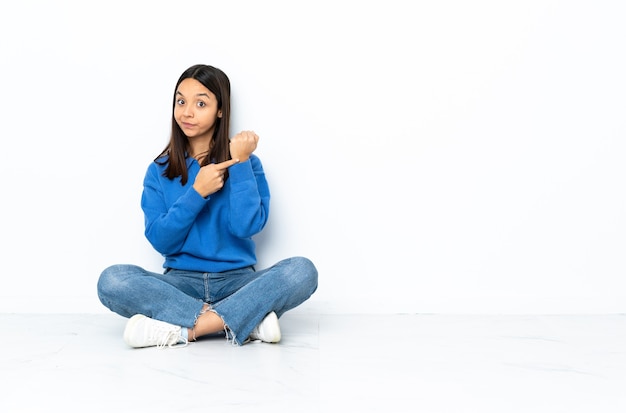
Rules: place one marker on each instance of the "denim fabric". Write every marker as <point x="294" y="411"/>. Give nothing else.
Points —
<point x="242" y="298"/>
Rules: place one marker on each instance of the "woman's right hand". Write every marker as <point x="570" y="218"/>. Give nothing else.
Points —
<point x="210" y="179"/>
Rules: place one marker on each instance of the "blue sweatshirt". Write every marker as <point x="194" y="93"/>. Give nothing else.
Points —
<point x="211" y="234"/>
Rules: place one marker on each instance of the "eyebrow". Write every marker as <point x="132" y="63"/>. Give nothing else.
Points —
<point x="199" y="94"/>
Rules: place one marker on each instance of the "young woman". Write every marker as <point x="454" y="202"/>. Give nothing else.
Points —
<point x="204" y="198"/>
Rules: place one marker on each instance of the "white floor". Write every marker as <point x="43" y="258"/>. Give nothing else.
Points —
<point x="325" y="363"/>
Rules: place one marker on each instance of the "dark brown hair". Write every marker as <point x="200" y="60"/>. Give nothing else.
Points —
<point x="175" y="153"/>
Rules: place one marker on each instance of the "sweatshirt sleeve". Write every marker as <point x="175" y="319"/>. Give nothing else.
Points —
<point x="249" y="198"/>
<point x="167" y="228"/>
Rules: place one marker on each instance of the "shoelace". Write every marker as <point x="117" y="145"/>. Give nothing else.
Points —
<point x="169" y="338"/>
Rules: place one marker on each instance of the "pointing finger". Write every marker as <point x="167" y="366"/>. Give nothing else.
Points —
<point x="226" y="164"/>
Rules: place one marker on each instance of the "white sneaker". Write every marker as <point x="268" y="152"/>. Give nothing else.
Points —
<point x="268" y="330"/>
<point x="142" y="331"/>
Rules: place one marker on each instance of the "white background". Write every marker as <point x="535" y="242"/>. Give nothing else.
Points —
<point x="429" y="157"/>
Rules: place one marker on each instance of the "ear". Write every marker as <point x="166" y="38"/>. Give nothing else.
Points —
<point x="219" y="113"/>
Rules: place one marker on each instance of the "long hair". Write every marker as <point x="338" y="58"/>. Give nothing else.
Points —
<point x="175" y="152"/>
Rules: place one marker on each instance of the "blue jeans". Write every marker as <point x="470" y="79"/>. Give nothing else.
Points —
<point x="242" y="298"/>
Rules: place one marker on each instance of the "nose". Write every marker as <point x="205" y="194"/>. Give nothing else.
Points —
<point x="188" y="111"/>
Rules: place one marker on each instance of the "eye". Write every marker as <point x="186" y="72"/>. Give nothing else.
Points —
<point x="180" y="101"/>
<point x="201" y="104"/>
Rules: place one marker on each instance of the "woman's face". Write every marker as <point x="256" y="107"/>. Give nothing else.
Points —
<point x="195" y="109"/>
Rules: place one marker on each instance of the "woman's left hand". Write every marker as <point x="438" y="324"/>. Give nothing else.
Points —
<point x="243" y="144"/>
